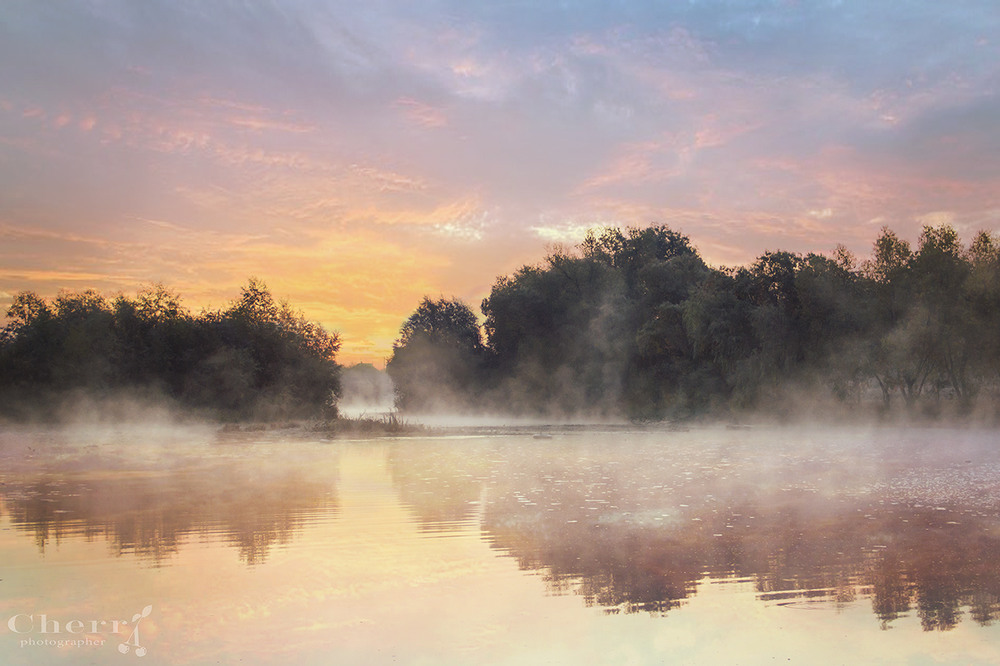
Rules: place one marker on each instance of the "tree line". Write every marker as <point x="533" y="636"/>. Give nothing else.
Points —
<point x="256" y="359"/>
<point x="633" y="322"/>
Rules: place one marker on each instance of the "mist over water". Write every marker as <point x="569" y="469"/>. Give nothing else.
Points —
<point x="622" y="452"/>
<point x="633" y="325"/>
<point x="554" y="530"/>
<point x="632" y="523"/>
<point x="365" y="391"/>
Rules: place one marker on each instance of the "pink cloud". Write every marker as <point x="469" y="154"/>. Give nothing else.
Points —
<point x="422" y="114"/>
<point x="260" y="124"/>
<point x="715" y="133"/>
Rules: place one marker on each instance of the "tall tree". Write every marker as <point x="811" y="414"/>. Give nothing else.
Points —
<point x="940" y="274"/>
<point x="437" y="358"/>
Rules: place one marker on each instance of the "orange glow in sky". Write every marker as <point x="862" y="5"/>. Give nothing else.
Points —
<point x="359" y="157"/>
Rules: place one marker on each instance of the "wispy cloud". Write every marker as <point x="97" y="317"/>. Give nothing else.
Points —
<point x="437" y="143"/>
<point x="422" y="114"/>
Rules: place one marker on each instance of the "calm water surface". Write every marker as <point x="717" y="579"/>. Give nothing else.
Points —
<point x="564" y="546"/>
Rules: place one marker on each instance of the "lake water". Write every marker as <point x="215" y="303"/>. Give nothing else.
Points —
<point x="559" y="545"/>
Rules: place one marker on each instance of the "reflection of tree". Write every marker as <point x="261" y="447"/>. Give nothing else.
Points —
<point x="890" y="589"/>
<point x="609" y="566"/>
<point x="637" y="534"/>
<point x="150" y="515"/>
<point x="440" y="484"/>
<point x="256" y="517"/>
<point x="938" y="601"/>
<point x="634" y="568"/>
<point x="985" y="604"/>
<point x="939" y="567"/>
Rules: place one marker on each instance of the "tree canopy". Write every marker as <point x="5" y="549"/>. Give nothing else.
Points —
<point x="256" y="359"/>
<point x="436" y="359"/>
<point x="633" y="322"/>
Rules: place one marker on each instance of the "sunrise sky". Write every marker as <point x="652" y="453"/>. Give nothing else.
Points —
<point x="359" y="155"/>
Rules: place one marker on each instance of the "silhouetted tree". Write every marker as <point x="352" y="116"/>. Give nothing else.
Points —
<point x="982" y="289"/>
<point x="631" y="322"/>
<point x="257" y="359"/>
<point x="437" y="358"/>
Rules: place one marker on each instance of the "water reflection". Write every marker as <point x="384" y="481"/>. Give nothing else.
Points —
<point x="150" y="509"/>
<point x="638" y="523"/>
<point x="440" y="483"/>
<point x="630" y="522"/>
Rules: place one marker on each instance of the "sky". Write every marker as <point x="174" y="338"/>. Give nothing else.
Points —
<point x="359" y="156"/>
